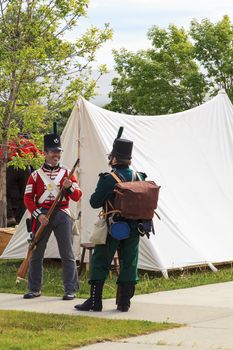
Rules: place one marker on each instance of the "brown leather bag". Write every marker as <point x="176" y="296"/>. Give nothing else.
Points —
<point x="135" y="199"/>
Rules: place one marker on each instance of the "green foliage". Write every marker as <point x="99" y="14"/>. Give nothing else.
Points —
<point x="178" y="72"/>
<point x="149" y="282"/>
<point x="42" y="73"/>
<point x="213" y="45"/>
<point x="37" y="331"/>
<point x="20" y="162"/>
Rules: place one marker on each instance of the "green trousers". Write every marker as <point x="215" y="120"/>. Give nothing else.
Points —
<point x="128" y="253"/>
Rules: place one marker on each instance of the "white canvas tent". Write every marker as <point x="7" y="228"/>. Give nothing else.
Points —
<point x="190" y="154"/>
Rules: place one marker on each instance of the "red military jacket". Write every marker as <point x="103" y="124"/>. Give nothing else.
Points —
<point x="43" y="186"/>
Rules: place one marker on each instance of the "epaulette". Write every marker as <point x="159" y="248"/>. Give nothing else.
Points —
<point x="34" y="175"/>
<point x="63" y="167"/>
<point x="102" y="175"/>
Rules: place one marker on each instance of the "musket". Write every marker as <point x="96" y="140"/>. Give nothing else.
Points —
<point x="22" y="270"/>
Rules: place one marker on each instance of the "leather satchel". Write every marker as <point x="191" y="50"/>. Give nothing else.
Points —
<point x="135" y="199"/>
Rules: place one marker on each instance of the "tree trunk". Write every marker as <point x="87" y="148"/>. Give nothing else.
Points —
<point x="7" y="115"/>
<point x="3" y="201"/>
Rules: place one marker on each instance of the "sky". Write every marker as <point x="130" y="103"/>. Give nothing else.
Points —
<point x="131" y="20"/>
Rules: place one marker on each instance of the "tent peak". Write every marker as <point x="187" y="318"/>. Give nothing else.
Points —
<point x="221" y="91"/>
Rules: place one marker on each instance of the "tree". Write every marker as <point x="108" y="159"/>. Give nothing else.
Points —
<point x="178" y="72"/>
<point x="213" y="44"/>
<point x="41" y="73"/>
<point x="160" y="80"/>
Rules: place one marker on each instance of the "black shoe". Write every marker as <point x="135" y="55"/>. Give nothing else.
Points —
<point x="125" y="292"/>
<point x="89" y="305"/>
<point x="68" y="296"/>
<point x="123" y="308"/>
<point x="31" y="295"/>
<point x="94" y="303"/>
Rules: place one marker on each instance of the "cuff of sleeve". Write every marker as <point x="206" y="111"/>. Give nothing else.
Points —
<point x="71" y="189"/>
<point x="36" y="213"/>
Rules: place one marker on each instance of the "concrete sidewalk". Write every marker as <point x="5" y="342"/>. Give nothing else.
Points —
<point x="207" y="312"/>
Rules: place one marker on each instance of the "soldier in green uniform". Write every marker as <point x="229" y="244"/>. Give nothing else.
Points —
<point x="119" y="160"/>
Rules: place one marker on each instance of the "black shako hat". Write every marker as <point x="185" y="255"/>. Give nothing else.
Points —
<point x="52" y="142"/>
<point x="122" y="149"/>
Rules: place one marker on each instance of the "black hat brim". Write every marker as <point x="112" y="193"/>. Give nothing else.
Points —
<point x="54" y="149"/>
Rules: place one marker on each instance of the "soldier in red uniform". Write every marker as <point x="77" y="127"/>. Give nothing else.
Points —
<point x="41" y="190"/>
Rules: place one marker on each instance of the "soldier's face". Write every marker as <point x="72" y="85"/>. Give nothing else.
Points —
<point x="52" y="157"/>
<point x="112" y="161"/>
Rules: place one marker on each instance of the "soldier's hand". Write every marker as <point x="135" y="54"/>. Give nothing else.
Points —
<point x="67" y="183"/>
<point x="43" y="219"/>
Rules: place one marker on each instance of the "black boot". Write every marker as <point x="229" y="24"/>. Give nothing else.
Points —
<point x="93" y="303"/>
<point x="125" y="292"/>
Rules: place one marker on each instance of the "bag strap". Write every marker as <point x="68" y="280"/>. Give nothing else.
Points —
<point x="157" y="215"/>
<point x="115" y="177"/>
<point x="105" y="212"/>
<point x="134" y="176"/>
<point x="112" y="211"/>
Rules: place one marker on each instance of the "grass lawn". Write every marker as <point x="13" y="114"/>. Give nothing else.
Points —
<point x="149" y="282"/>
<point x="27" y="330"/>
<point x="24" y="330"/>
